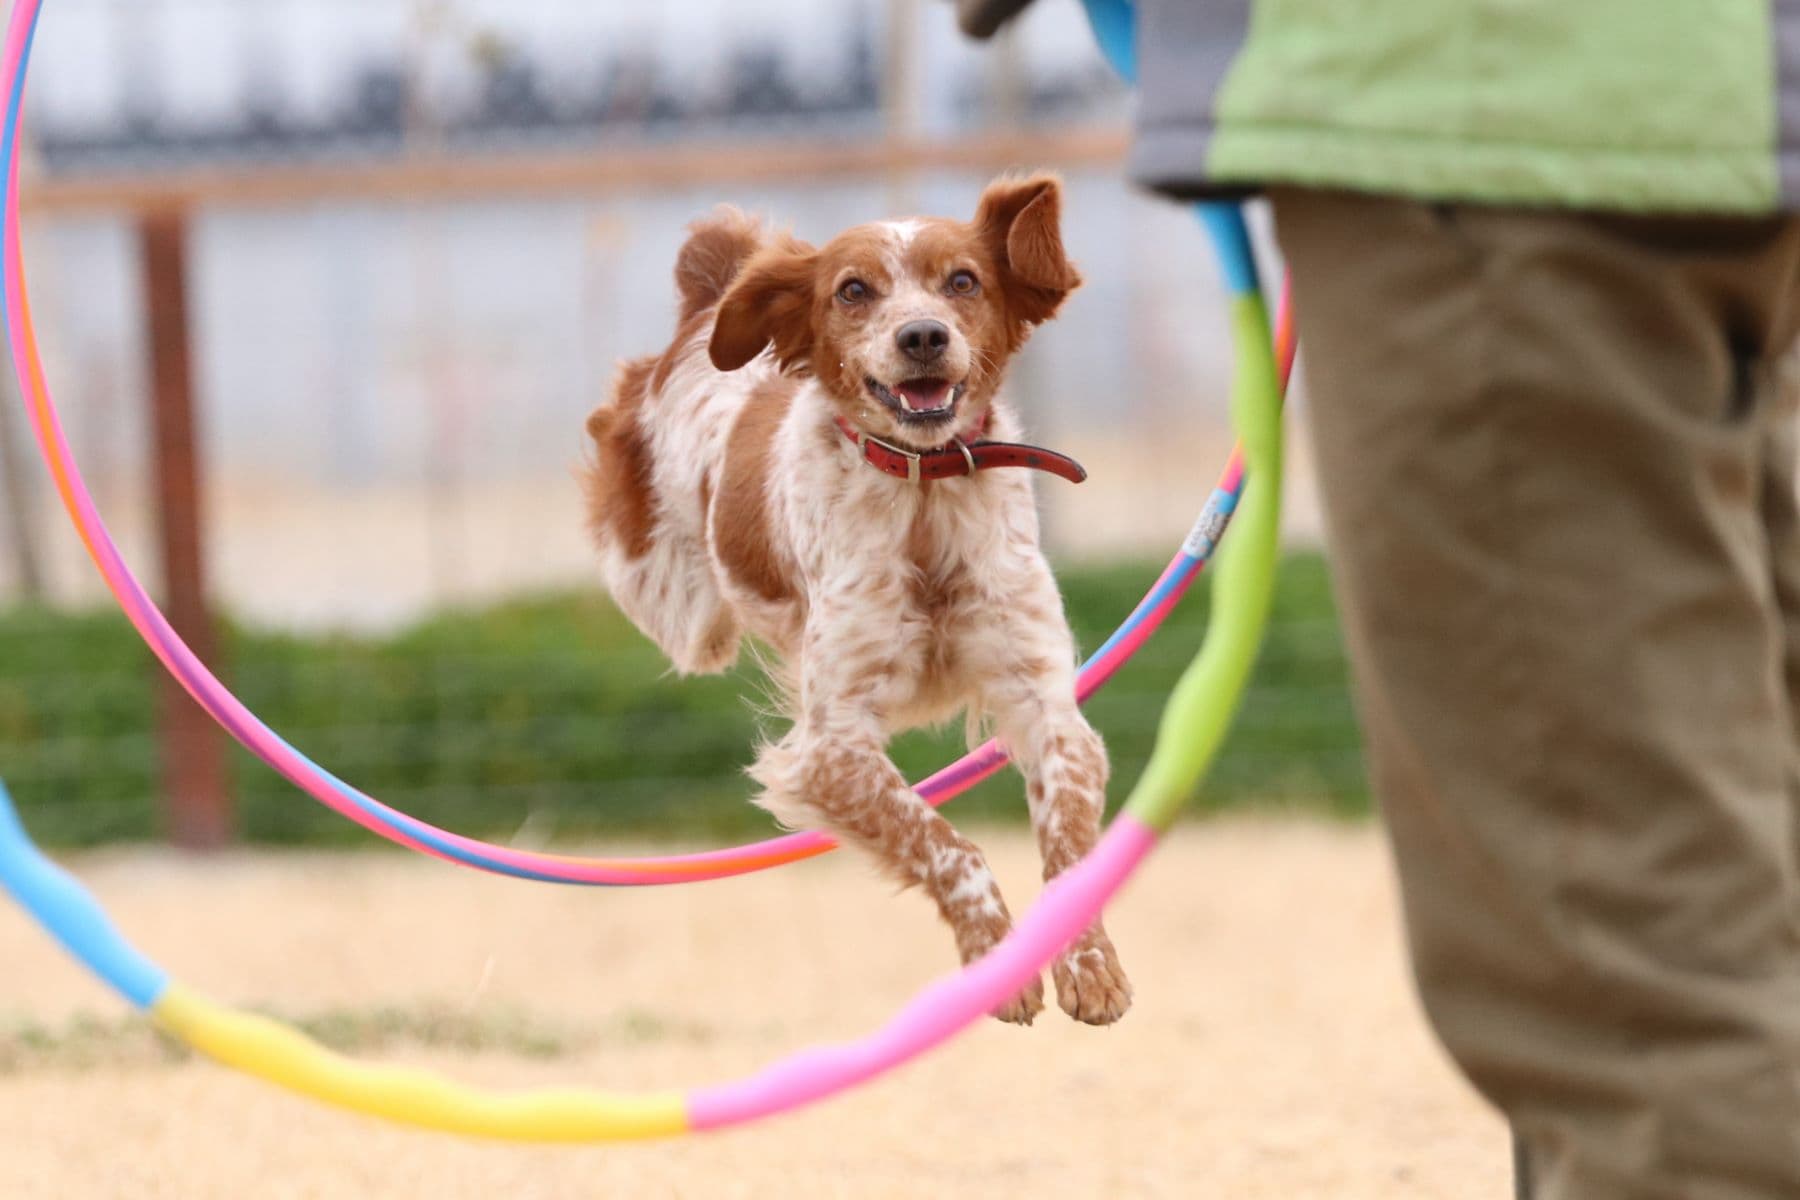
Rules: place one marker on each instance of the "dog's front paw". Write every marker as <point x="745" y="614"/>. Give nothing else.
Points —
<point x="1090" y="984"/>
<point x="1023" y="1008"/>
<point x="975" y="939"/>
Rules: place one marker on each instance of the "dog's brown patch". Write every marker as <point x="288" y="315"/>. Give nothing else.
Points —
<point x="621" y="492"/>
<point x="741" y="533"/>
<point x="1020" y="220"/>
<point x="717" y="248"/>
<point x="711" y="259"/>
<point x="769" y="303"/>
<point x="1067" y="812"/>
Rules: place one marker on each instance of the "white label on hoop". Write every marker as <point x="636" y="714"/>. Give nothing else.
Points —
<point x="1205" y="534"/>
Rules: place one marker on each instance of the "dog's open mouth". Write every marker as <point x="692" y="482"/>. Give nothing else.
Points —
<point x="918" y="401"/>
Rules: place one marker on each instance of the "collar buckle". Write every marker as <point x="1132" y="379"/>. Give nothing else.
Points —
<point x="912" y="459"/>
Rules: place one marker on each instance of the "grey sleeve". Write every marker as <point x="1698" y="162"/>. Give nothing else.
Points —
<point x="983" y="18"/>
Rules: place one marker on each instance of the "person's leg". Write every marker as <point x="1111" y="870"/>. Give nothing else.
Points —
<point x="1543" y="466"/>
<point x="1521" y="1167"/>
<point x="1781" y="519"/>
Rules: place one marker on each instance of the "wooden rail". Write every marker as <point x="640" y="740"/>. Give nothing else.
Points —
<point x="598" y="169"/>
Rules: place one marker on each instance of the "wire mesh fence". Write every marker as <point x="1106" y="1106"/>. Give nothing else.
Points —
<point x="551" y="719"/>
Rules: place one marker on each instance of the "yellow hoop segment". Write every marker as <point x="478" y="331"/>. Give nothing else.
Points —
<point x="259" y="1046"/>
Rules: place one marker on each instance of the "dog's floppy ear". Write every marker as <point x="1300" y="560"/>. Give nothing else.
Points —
<point x="770" y="303"/>
<point x="1020" y="220"/>
<point x="717" y="247"/>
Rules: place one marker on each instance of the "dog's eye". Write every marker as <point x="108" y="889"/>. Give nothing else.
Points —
<point x="853" y="291"/>
<point x="964" y="283"/>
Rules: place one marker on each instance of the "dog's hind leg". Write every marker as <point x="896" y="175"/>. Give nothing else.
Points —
<point x="670" y="594"/>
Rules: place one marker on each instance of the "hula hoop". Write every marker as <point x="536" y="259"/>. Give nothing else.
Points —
<point x="399" y="827"/>
<point x="1193" y="725"/>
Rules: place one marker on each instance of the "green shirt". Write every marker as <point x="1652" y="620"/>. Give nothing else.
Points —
<point x="1645" y="105"/>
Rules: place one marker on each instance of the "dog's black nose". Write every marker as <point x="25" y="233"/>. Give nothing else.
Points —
<point x="923" y="341"/>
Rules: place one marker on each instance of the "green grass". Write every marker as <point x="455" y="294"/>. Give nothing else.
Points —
<point x="553" y="715"/>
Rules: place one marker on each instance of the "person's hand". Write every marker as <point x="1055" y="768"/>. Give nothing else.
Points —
<point x="983" y="18"/>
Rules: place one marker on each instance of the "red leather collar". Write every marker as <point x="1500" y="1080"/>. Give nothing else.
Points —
<point x="959" y="458"/>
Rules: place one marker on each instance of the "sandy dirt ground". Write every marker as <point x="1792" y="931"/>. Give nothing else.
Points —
<point x="1275" y="1050"/>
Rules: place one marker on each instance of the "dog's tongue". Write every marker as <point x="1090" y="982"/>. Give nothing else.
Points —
<point x="922" y="395"/>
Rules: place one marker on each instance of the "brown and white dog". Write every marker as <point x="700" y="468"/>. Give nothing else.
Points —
<point x="736" y="490"/>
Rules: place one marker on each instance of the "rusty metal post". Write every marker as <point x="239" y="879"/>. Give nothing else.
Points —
<point x="197" y="800"/>
<point x="21" y="507"/>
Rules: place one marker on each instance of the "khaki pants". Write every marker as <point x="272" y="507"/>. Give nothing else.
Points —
<point x="1558" y="458"/>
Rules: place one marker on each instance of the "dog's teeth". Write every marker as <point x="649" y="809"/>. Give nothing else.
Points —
<point x="906" y="402"/>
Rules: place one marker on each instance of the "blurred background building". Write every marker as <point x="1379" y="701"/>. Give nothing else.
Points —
<point x="415" y="235"/>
